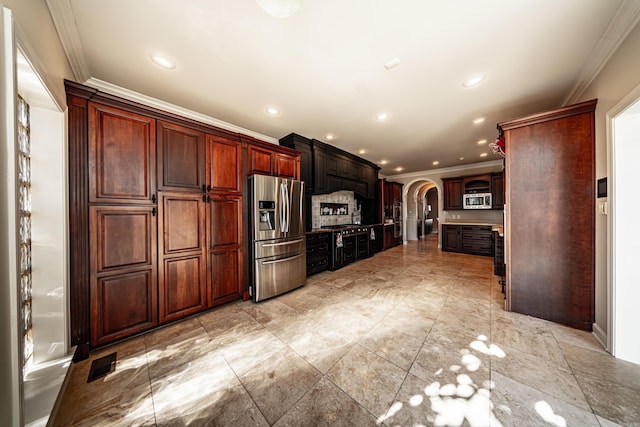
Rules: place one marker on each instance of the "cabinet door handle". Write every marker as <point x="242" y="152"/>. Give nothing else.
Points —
<point x="204" y="188"/>
<point x="153" y="198"/>
<point x="153" y="212"/>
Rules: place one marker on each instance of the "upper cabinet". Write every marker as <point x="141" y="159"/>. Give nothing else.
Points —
<point x="122" y="156"/>
<point x="181" y="158"/>
<point x="224" y="165"/>
<point x="326" y="169"/>
<point x="455" y="188"/>
<point x="271" y="161"/>
<point x="452" y="193"/>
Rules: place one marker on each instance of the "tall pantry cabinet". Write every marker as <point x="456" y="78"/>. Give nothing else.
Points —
<point x="550" y="215"/>
<point x="156" y="215"/>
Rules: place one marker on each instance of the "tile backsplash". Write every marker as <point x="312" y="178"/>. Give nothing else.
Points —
<point x="342" y="197"/>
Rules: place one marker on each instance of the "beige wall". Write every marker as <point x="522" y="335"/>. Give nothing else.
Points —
<point x="619" y="77"/>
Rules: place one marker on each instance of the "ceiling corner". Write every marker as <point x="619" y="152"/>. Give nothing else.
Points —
<point x="625" y="19"/>
<point x="65" y="22"/>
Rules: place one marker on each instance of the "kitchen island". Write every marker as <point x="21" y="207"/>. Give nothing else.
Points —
<point x="470" y="237"/>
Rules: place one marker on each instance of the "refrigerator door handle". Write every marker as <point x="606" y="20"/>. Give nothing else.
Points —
<point x="290" y="242"/>
<point x="281" y="260"/>
<point x="288" y="207"/>
<point x="282" y="206"/>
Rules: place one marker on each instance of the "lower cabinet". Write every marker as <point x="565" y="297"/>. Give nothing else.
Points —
<point x="181" y="255"/>
<point x="499" y="267"/>
<point x="389" y="236"/>
<point x="468" y="239"/>
<point x="317" y="252"/>
<point x="122" y="272"/>
<point x="376" y="240"/>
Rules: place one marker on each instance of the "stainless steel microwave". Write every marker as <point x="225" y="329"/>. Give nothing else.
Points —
<point x="476" y="201"/>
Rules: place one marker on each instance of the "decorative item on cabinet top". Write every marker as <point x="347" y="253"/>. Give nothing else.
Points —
<point x="334" y="209"/>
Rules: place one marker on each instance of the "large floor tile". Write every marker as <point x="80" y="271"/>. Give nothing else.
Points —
<point x="393" y="345"/>
<point x="368" y="378"/>
<point x="610" y="400"/>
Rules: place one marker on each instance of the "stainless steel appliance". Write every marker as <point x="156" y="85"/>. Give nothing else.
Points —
<point x="477" y="201"/>
<point x="278" y="246"/>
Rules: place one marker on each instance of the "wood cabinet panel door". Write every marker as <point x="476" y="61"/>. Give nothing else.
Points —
<point x="123" y="285"/>
<point x="224" y="164"/>
<point x="225" y="248"/>
<point x="181" y="158"/>
<point x="287" y="166"/>
<point x="260" y="161"/>
<point x="181" y="243"/>
<point x="452" y="194"/>
<point x="122" y="156"/>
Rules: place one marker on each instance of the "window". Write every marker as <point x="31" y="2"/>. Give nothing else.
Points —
<point x="24" y="203"/>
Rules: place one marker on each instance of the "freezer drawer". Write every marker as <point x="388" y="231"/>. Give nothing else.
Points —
<point x="276" y="275"/>
<point x="270" y="248"/>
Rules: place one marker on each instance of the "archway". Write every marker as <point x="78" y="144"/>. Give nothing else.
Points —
<point x="416" y="207"/>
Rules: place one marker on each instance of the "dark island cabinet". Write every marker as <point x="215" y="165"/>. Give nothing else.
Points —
<point x="468" y="239"/>
<point x="497" y="186"/>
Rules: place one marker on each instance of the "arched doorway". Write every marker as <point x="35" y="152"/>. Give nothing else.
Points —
<point x="422" y="209"/>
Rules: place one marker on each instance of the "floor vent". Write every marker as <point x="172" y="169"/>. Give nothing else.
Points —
<point x="102" y="366"/>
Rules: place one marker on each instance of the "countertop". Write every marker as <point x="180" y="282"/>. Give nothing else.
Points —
<point x="497" y="227"/>
<point x="328" y="230"/>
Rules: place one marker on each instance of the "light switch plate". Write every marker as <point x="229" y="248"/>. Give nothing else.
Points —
<point x="603" y="208"/>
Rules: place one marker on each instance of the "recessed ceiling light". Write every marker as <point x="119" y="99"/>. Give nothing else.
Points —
<point x="272" y="111"/>
<point x="460" y="158"/>
<point x="482" y="141"/>
<point x="474" y="81"/>
<point x="280" y="8"/>
<point x="382" y="117"/>
<point x="384" y="162"/>
<point x="483" y="154"/>
<point x="399" y="169"/>
<point x="330" y="136"/>
<point x="392" y="63"/>
<point x="478" y="120"/>
<point x="162" y="61"/>
<point x="435" y="163"/>
<point x="362" y="151"/>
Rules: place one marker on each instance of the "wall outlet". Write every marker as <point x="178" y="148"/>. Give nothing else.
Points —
<point x="603" y="208"/>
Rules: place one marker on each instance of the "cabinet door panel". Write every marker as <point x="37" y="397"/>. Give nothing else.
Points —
<point x="224" y="164"/>
<point x="122" y="156"/>
<point x="181" y="158"/>
<point x="182" y="292"/>
<point x="225" y="273"/>
<point x="260" y="161"/>
<point x="122" y="237"/>
<point x="122" y="271"/>
<point x="226" y="221"/>
<point x="286" y="166"/>
<point x="182" y="274"/>
<point x="452" y="194"/>
<point x="225" y="249"/>
<point x="123" y="304"/>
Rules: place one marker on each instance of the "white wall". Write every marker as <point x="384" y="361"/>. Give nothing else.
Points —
<point x="49" y="234"/>
<point x="618" y="77"/>
<point x="627" y="275"/>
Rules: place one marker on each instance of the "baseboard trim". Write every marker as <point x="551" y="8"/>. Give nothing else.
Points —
<point x="601" y="336"/>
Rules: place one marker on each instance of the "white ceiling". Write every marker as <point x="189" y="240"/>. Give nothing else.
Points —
<point x="324" y="69"/>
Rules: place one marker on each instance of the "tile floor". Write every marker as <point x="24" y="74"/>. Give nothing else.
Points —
<point x="410" y="337"/>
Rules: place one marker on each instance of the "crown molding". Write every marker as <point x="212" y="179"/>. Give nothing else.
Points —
<point x="624" y="20"/>
<point x="65" y="22"/>
<point x="172" y="108"/>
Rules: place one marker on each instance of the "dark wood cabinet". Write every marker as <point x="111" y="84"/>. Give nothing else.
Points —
<point x="224" y="165"/>
<point x="317" y="252"/>
<point x="224" y="225"/>
<point x="468" y="239"/>
<point x="376" y="239"/>
<point x="451" y="238"/>
<point x="260" y="161"/>
<point x="452" y="193"/>
<point x="499" y="267"/>
<point x="550" y="216"/>
<point x="269" y="162"/>
<point x="122" y="156"/>
<point x="497" y="190"/>
<point x="155" y="214"/>
<point x="181" y="158"/>
<point x="123" y="268"/>
<point x="389" y="237"/>
<point x="181" y="253"/>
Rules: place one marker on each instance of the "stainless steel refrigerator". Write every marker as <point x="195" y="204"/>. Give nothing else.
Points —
<point x="278" y="243"/>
